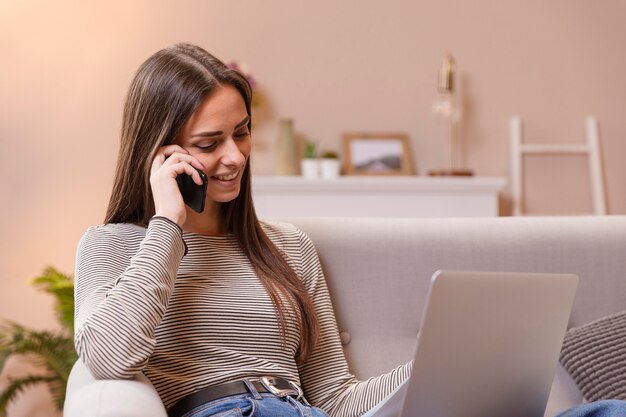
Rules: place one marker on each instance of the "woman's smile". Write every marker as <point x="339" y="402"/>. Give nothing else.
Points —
<point x="226" y="180"/>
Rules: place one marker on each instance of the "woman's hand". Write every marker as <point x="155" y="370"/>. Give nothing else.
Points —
<point x="171" y="161"/>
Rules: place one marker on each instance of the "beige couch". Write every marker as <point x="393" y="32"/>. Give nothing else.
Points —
<point x="379" y="270"/>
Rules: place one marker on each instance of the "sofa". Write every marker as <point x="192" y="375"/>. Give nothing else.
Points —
<point x="379" y="272"/>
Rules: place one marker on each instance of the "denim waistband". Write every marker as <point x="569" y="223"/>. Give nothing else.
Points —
<point x="273" y="386"/>
<point x="250" y="405"/>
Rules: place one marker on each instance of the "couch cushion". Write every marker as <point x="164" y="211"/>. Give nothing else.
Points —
<point x="595" y="356"/>
<point x="379" y="270"/>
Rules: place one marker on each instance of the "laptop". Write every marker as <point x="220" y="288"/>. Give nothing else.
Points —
<point x="488" y="346"/>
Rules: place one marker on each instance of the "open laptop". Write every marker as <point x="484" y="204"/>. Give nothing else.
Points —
<point x="488" y="346"/>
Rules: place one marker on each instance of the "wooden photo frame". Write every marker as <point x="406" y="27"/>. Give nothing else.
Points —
<point x="377" y="154"/>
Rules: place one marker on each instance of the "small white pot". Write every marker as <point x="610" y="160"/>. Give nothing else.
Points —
<point x="310" y="168"/>
<point x="329" y="168"/>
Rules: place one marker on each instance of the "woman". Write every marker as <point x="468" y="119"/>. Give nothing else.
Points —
<point x="223" y="313"/>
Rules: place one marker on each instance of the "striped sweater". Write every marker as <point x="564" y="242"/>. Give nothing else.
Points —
<point x="189" y="311"/>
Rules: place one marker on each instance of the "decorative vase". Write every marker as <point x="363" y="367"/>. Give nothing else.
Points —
<point x="329" y="168"/>
<point x="310" y="168"/>
<point x="286" y="149"/>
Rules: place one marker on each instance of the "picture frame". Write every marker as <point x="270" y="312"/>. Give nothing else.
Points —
<point x="377" y="154"/>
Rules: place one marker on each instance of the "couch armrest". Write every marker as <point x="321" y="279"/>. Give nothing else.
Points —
<point x="87" y="396"/>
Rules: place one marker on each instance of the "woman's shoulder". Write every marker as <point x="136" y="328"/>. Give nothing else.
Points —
<point x="281" y="230"/>
<point x="285" y="234"/>
<point x="127" y="235"/>
<point x="299" y="248"/>
<point x="121" y="230"/>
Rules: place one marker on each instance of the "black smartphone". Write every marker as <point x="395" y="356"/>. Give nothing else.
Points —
<point x="193" y="194"/>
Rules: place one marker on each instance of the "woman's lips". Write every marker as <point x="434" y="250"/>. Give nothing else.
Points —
<point x="228" y="179"/>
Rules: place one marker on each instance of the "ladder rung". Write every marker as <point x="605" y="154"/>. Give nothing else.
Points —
<point x="554" y="149"/>
<point x="591" y="149"/>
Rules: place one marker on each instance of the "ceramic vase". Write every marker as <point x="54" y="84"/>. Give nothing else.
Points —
<point x="310" y="168"/>
<point x="286" y="149"/>
<point x="329" y="168"/>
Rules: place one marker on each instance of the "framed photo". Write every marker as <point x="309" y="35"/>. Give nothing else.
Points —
<point x="377" y="154"/>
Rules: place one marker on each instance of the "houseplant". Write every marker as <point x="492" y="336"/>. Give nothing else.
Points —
<point x="329" y="165"/>
<point x="309" y="164"/>
<point x="52" y="351"/>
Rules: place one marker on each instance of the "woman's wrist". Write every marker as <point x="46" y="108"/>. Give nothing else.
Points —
<point x="172" y="222"/>
<point x="178" y="220"/>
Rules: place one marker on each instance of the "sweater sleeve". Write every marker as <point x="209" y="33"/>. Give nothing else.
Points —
<point x="325" y="377"/>
<point x="122" y="297"/>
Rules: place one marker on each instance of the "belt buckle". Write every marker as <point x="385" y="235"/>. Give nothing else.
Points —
<point x="268" y="383"/>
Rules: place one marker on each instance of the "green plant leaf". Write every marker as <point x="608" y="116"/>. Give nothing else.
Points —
<point x="53" y="351"/>
<point x="16" y="386"/>
<point x="61" y="287"/>
<point x="57" y="389"/>
<point x="10" y="335"/>
<point x="310" y="149"/>
<point x="43" y="348"/>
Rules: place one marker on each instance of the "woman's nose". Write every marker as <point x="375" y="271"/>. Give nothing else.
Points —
<point x="231" y="154"/>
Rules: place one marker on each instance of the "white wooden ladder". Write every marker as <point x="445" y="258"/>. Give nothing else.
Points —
<point x="591" y="148"/>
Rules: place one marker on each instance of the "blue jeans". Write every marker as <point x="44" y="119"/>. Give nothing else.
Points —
<point x="606" y="408"/>
<point x="262" y="405"/>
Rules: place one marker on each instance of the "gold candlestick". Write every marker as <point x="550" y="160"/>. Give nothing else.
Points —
<point x="445" y="84"/>
<point x="447" y="107"/>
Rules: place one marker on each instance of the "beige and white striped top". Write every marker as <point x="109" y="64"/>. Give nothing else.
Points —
<point x="194" y="320"/>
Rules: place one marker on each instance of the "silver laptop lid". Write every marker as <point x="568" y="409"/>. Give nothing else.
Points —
<point x="489" y="344"/>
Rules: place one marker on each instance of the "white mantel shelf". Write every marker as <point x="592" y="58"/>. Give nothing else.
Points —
<point x="377" y="196"/>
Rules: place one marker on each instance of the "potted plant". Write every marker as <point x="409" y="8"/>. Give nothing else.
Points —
<point x="329" y="165"/>
<point x="309" y="164"/>
<point x="52" y="351"/>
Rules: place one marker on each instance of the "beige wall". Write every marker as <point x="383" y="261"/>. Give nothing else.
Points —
<point x="331" y="65"/>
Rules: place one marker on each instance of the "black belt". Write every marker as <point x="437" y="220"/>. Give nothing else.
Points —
<point x="264" y="385"/>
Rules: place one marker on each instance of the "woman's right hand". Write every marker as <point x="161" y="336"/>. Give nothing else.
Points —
<point x="171" y="161"/>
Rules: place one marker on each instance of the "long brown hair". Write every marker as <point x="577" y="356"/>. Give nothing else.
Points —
<point x="166" y="90"/>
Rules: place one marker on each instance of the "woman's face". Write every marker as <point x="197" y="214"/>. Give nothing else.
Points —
<point x="217" y="135"/>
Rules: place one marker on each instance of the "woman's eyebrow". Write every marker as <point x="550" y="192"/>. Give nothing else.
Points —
<point x="243" y="122"/>
<point x="219" y="132"/>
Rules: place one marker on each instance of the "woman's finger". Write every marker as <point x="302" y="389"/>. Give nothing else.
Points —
<point x="168" y="150"/>
<point x="178" y="157"/>
<point x="163" y="153"/>
<point x="184" y="168"/>
<point x="157" y="162"/>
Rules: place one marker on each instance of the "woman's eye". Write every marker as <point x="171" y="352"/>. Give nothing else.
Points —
<point x="242" y="134"/>
<point x="207" y="147"/>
